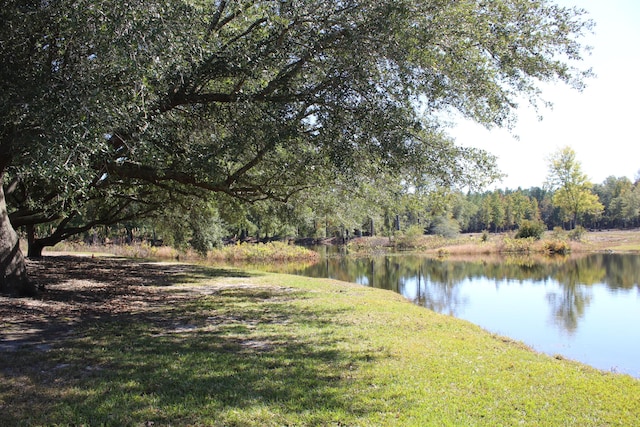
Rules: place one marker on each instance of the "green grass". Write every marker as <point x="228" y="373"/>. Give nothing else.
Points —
<point x="277" y="350"/>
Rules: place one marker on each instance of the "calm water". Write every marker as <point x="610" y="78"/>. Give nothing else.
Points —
<point x="586" y="309"/>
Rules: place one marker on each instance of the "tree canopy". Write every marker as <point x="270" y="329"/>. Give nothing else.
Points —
<point x="260" y="99"/>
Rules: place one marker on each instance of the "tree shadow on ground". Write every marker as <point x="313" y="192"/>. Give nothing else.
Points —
<point x="149" y="355"/>
<point x="120" y="272"/>
<point x="76" y="289"/>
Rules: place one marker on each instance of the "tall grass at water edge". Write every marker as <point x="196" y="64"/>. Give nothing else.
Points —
<point x="272" y="251"/>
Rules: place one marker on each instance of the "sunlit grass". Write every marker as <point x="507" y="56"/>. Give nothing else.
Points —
<point x="276" y="350"/>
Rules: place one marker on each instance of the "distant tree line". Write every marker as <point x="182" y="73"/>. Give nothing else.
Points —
<point x="504" y="210"/>
<point x="374" y="210"/>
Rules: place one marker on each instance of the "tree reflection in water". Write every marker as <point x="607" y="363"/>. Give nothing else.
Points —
<point x="435" y="284"/>
<point x="583" y="295"/>
<point x="568" y="306"/>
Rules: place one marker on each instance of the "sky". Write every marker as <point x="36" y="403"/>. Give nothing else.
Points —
<point x="601" y="123"/>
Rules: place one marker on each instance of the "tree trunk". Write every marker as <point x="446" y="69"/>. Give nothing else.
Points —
<point x="13" y="270"/>
<point x="35" y="245"/>
<point x="35" y="250"/>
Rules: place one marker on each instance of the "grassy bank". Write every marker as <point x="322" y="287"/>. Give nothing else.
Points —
<point x="117" y="342"/>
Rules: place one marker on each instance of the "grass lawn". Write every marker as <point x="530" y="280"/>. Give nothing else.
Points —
<point x="118" y="342"/>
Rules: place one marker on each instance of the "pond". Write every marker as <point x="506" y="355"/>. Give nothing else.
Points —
<point x="585" y="308"/>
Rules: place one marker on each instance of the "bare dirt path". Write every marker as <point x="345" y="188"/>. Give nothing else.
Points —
<point x="78" y="289"/>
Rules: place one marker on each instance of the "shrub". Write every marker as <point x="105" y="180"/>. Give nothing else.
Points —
<point x="164" y="252"/>
<point x="445" y="227"/>
<point x="410" y="238"/>
<point x="577" y="233"/>
<point x="443" y="253"/>
<point x="205" y="230"/>
<point x="557" y="247"/>
<point x="369" y="244"/>
<point x="485" y="236"/>
<point x="559" y="233"/>
<point x="534" y="229"/>
<point x="522" y="245"/>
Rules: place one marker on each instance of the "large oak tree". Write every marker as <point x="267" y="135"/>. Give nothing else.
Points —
<point x="259" y="99"/>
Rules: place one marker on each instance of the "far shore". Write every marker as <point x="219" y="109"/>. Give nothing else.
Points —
<point x="504" y="243"/>
<point x="463" y="245"/>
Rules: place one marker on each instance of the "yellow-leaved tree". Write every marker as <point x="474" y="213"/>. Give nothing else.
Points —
<point x="571" y="186"/>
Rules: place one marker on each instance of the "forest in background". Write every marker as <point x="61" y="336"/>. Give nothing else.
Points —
<point x="341" y="215"/>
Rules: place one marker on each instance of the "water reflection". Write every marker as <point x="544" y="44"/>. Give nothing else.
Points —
<point x="585" y="308"/>
<point x="568" y="306"/>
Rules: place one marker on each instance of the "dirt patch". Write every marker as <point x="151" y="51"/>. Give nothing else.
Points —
<point x="80" y="289"/>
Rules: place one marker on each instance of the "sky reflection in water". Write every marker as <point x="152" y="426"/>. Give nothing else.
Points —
<point x="592" y="323"/>
<point x="586" y="309"/>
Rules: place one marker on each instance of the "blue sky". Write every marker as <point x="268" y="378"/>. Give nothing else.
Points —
<point x="600" y="123"/>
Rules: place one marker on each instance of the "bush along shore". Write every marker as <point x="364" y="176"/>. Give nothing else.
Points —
<point x="119" y="342"/>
